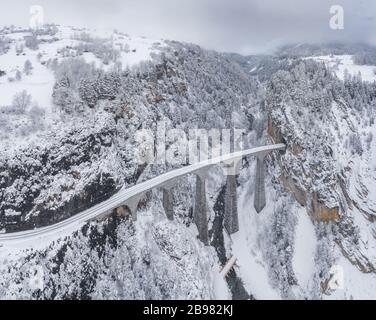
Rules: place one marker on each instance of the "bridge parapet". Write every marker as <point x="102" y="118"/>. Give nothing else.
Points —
<point x="131" y="197"/>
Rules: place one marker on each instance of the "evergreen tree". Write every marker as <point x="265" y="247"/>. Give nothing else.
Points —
<point x="28" y="67"/>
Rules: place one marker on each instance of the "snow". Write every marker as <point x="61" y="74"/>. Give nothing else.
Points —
<point x="305" y="249"/>
<point x="90" y="58"/>
<point x="133" y="49"/>
<point x="354" y="194"/>
<point x="118" y="199"/>
<point x="193" y="257"/>
<point x="140" y="49"/>
<point x="341" y="63"/>
<point x="39" y="84"/>
<point x="221" y="291"/>
<point x="352" y="283"/>
<point x="362" y="180"/>
<point x="17" y="249"/>
<point x="11" y="213"/>
<point x="16" y="36"/>
<point x="251" y="266"/>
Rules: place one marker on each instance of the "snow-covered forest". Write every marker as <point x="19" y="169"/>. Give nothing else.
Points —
<point x="71" y="102"/>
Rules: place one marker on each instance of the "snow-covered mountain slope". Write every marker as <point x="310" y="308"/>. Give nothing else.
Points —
<point x="119" y="260"/>
<point x="330" y="163"/>
<point x="28" y="62"/>
<point x="87" y="152"/>
<point x="68" y="142"/>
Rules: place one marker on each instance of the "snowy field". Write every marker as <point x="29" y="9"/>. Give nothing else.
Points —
<point x="245" y="247"/>
<point x="38" y="82"/>
<point x="133" y="50"/>
<point x="344" y="63"/>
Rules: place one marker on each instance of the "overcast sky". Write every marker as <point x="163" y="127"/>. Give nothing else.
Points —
<point x="244" y="26"/>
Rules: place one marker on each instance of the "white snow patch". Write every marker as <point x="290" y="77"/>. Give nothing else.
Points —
<point x="340" y="63"/>
<point x="39" y="84"/>
<point x="251" y="267"/>
<point x="139" y="49"/>
<point x="354" y="283"/>
<point x="305" y="248"/>
<point x="221" y="291"/>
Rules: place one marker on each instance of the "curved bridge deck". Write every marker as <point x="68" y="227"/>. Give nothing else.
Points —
<point x="131" y="196"/>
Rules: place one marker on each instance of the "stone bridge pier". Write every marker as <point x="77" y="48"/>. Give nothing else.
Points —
<point x="259" y="197"/>
<point x="231" y="169"/>
<point x="127" y="200"/>
<point x="167" y="200"/>
<point x="200" y="211"/>
<point x="132" y="205"/>
<point x="231" y="220"/>
<point x="200" y="206"/>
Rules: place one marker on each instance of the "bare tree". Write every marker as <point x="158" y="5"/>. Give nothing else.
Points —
<point x="20" y="102"/>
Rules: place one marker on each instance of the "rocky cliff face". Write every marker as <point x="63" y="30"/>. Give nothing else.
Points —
<point x="309" y="111"/>
<point x="50" y="182"/>
<point x="320" y="194"/>
<point x="89" y="153"/>
<point x="86" y="157"/>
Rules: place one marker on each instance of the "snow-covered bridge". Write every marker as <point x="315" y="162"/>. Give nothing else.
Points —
<point x="130" y="197"/>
